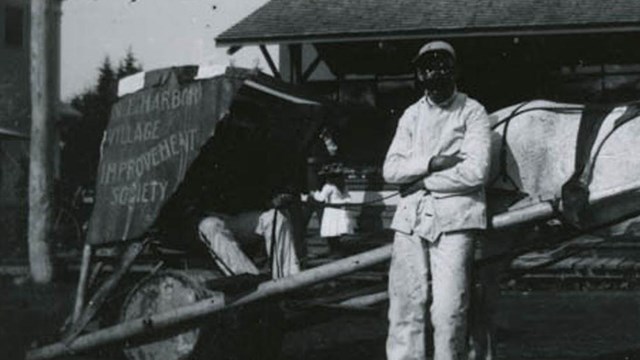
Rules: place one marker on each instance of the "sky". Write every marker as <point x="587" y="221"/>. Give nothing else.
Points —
<point x="160" y="33"/>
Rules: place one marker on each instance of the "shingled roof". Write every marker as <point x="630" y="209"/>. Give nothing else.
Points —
<point x="282" y="21"/>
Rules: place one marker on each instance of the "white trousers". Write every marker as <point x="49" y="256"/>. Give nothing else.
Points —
<point x="449" y="261"/>
<point x="224" y="235"/>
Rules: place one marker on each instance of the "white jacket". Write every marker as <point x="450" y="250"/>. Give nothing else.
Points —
<point x="457" y="199"/>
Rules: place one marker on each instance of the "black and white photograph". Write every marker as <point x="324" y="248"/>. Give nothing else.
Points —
<point x="320" y="179"/>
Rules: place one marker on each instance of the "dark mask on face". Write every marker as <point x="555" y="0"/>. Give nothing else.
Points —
<point x="436" y="76"/>
<point x="440" y="89"/>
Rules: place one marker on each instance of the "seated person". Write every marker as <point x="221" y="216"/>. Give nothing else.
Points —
<point x="239" y="191"/>
<point x="225" y="236"/>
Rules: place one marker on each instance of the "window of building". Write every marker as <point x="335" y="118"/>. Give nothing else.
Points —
<point x="13" y="26"/>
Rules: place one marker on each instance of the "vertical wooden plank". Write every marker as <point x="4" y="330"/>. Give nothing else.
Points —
<point x="40" y="169"/>
<point x="82" y="282"/>
<point x="295" y="63"/>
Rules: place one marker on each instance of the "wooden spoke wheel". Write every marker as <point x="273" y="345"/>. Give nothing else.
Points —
<point x="243" y="333"/>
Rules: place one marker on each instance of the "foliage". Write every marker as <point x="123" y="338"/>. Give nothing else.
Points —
<point x="82" y="138"/>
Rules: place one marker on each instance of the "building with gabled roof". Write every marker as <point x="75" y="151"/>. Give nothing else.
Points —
<point x="509" y="50"/>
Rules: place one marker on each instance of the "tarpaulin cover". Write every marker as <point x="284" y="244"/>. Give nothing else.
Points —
<point x="152" y="137"/>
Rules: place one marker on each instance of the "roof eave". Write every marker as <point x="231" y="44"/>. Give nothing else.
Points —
<point x="227" y="41"/>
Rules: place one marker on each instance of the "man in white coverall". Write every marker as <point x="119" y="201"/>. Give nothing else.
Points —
<point x="442" y="150"/>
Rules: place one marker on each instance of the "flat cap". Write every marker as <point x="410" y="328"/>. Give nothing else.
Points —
<point x="435" y="46"/>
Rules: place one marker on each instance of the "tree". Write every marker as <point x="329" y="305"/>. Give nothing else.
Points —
<point x="129" y="65"/>
<point x="82" y="141"/>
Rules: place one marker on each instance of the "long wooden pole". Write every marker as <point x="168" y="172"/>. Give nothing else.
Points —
<point x="545" y="210"/>
<point x="40" y="166"/>
<point x="312" y="276"/>
<point x="363" y="301"/>
<point x="206" y="307"/>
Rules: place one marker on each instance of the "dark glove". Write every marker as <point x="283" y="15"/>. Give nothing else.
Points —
<point x="312" y="202"/>
<point x="443" y="162"/>
<point x="282" y="200"/>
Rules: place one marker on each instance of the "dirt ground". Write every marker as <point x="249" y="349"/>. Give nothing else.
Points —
<point x="536" y="325"/>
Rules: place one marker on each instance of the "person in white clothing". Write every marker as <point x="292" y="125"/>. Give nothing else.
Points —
<point x="336" y="220"/>
<point x="440" y="157"/>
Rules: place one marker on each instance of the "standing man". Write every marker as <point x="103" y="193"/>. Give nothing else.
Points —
<point x="441" y="149"/>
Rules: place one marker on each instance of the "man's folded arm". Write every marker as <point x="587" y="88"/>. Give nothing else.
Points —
<point x="473" y="170"/>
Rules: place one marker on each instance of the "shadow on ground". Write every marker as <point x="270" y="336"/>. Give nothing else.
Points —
<point x="30" y="315"/>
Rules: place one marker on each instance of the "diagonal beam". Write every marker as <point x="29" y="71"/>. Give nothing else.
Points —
<point x="272" y="65"/>
<point x="311" y="68"/>
<point x="233" y="49"/>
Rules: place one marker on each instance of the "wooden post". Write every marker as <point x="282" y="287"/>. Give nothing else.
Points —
<point x="41" y="150"/>
<point x="295" y="63"/>
<point x="82" y="282"/>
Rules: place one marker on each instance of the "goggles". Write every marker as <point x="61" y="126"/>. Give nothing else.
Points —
<point x="436" y="63"/>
